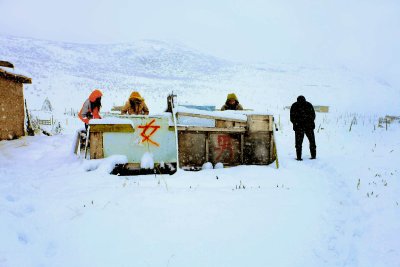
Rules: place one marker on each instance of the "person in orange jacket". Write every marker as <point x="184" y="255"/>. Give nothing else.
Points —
<point x="91" y="108"/>
<point x="135" y="105"/>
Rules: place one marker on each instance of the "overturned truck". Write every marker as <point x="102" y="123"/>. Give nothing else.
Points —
<point x="185" y="138"/>
<point x="232" y="140"/>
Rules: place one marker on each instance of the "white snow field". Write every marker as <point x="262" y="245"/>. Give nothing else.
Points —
<point x="54" y="212"/>
<point x="342" y="209"/>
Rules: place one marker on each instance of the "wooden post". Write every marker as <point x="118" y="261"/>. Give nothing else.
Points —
<point x="271" y="123"/>
<point x="242" y="148"/>
<point x="96" y="145"/>
<point x="279" y="122"/>
<point x="274" y="150"/>
<point x="87" y="141"/>
<point x="271" y="147"/>
<point x="207" y="146"/>
<point x="29" y="128"/>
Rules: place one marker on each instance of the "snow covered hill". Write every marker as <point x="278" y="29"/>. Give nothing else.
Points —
<point x="67" y="72"/>
<point x="148" y="59"/>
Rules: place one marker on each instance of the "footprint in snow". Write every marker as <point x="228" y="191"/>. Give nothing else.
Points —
<point x="10" y="198"/>
<point x="23" y="238"/>
<point x="29" y="209"/>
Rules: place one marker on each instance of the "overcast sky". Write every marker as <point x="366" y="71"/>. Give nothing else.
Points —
<point x="360" y="34"/>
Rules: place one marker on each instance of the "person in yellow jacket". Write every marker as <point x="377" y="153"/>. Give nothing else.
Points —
<point x="135" y="105"/>
<point x="232" y="103"/>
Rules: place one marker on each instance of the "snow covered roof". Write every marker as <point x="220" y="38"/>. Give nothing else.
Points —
<point x="14" y="77"/>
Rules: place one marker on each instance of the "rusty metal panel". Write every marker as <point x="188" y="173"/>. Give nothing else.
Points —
<point x="225" y="148"/>
<point x="229" y="124"/>
<point x="192" y="148"/>
<point x="259" y="123"/>
<point x="257" y="148"/>
<point x="230" y="146"/>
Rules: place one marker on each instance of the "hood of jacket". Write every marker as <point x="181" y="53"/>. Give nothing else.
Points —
<point x="135" y="95"/>
<point x="94" y="95"/>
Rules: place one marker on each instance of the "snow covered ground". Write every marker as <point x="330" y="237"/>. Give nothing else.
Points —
<point x="342" y="209"/>
<point x="339" y="210"/>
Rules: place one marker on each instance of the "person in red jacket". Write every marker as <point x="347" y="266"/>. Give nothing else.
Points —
<point x="91" y="108"/>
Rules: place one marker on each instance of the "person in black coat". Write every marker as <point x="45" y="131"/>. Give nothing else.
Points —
<point x="302" y="115"/>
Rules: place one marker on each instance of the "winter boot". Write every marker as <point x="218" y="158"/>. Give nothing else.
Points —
<point x="298" y="152"/>
<point x="313" y="153"/>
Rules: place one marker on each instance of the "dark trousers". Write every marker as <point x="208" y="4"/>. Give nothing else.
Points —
<point x="299" y="142"/>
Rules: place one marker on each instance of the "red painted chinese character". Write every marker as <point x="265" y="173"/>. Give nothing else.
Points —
<point x="146" y="137"/>
<point x="224" y="144"/>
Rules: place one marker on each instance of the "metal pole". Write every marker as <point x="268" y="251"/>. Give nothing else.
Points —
<point x="176" y="130"/>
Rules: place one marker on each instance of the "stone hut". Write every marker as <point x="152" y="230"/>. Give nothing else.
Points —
<point x="12" y="111"/>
